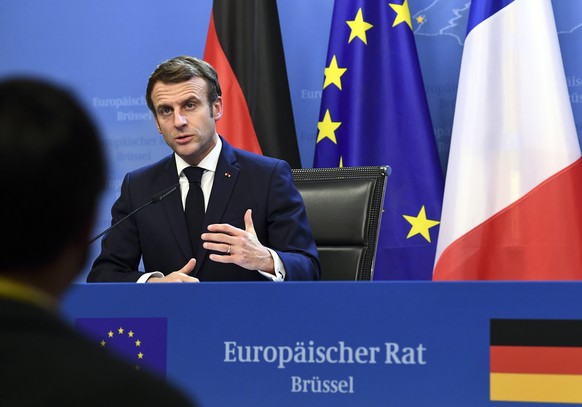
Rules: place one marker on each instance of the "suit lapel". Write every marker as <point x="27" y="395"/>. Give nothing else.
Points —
<point x="225" y="178"/>
<point x="173" y="208"/>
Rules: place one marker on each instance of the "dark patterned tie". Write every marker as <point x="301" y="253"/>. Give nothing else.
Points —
<point x="194" y="206"/>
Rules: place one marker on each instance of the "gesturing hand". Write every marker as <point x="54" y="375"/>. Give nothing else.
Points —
<point x="180" y="276"/>
<point x="241" y="247"/>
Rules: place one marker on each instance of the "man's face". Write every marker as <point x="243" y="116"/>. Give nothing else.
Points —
<point x="185" y="119"/>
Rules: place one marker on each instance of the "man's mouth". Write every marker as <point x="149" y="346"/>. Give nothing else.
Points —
<point x="185" y="138"/>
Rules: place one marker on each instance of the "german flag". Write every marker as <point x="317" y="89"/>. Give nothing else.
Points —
<point x="244" y="45"/>
<point x="535" y="360"/>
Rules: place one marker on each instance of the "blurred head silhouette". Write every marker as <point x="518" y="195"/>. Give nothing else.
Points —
<point x="52" y="171"/>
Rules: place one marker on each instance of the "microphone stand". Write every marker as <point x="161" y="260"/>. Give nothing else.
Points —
<point x="155" y="199"/>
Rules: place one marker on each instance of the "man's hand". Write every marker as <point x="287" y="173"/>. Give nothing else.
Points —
<point x="241" y="247"/>
<point x="180" y="276"/>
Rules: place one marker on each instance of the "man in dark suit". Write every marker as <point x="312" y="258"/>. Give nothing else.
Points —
<point x="253" y="226"/>
<point x="51" y="172"/>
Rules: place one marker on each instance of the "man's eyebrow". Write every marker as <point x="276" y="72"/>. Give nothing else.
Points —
<point x="192" y="98"/>
<point x="187" y="99"/>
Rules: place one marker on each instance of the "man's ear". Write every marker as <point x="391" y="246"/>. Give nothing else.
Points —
<point x="217" y="108"/>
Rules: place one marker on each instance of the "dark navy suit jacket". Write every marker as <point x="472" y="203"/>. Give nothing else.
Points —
<point x="159" y="233"/>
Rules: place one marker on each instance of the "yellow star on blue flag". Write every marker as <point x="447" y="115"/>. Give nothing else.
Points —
<point x="420" y="224"/>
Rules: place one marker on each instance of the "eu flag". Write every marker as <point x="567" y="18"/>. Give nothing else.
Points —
<point x="141" y="341"/>
<point x="374" y="112"/>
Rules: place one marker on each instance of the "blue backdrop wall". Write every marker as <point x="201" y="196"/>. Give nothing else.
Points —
<point x="106" y="50"/>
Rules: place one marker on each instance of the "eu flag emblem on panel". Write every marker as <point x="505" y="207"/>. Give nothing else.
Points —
<point x="141" y="341"/>
<point x="374" y="112"/>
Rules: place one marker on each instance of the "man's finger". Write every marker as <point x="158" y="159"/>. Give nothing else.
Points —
<point x="189" y="267"/>
<point x="223" y="228"/>
<point x="249" y="226"/>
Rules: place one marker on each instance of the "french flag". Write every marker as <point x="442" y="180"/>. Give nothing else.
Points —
<point x="512" y="205"/>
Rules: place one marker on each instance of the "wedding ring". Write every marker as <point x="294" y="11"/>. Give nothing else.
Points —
<point x="228" y="251"/>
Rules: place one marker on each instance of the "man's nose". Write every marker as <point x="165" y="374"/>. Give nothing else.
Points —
<point x="179" y="119"/>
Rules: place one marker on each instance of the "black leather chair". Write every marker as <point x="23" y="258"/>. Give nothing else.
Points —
<point x="344" y="208"/>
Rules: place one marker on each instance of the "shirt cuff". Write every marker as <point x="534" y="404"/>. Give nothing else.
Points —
<point x="146" y="276"/>
<point x="280" y="271"/>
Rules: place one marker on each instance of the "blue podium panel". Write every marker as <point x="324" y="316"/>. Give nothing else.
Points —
<point x="344" y="343"/>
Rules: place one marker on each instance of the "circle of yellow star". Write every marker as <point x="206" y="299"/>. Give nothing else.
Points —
<point x="359" y="28"/>
<point x="402" y="14"/>
<point x="327" y="128"/>
<point x="420" y="224"/>
<point x="333" y="74"/>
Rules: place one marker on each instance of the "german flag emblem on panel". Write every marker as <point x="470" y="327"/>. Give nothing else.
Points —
<point x="535" y="360"/>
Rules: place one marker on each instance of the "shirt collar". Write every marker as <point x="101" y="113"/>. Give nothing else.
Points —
<point x="209" y="163"/>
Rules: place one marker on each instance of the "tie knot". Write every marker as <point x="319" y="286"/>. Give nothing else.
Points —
<point x="194" y="174"/>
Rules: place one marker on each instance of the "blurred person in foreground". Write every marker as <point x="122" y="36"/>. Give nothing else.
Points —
<point x="236" y="216"/>
<point x="52" y="172"/>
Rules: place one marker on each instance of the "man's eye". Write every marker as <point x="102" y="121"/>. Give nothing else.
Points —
<point x="190" y="105"/>
<point x="164" y="111"/>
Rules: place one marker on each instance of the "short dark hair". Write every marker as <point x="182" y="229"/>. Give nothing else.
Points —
<point x="52" y="171"/>
<point x="181" y="69"/>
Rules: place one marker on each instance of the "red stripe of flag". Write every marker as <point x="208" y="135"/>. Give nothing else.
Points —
<point x="536" y="360"/>
<point x="536" y="238"/>
<point x="237" y="126"/>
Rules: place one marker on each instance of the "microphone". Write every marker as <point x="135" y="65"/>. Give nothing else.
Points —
<point x="155" y="199"/>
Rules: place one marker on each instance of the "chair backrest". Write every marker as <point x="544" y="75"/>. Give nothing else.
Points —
<point x="344" y="208"/>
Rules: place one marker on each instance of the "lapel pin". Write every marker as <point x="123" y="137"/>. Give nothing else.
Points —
<point x="227" y="174"/>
